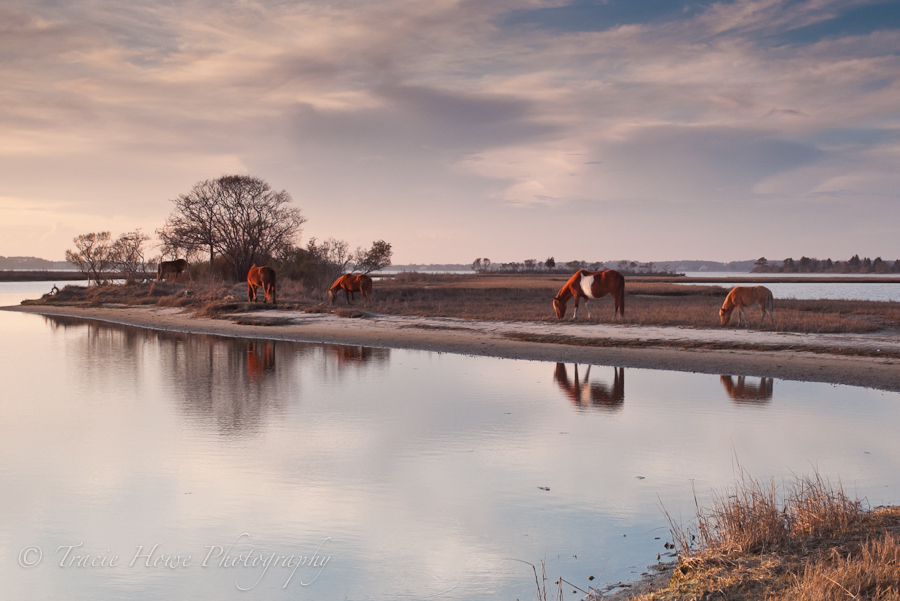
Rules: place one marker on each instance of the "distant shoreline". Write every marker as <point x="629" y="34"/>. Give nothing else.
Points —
<point x="38" y="275"/>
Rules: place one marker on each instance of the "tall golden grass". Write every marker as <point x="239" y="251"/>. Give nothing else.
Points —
<point x="804" y="540"/>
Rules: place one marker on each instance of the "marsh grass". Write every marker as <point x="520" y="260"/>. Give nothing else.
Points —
<point x="506" y="298"/>
<point x="523" y="298"/>
<point x="807" y="539"/>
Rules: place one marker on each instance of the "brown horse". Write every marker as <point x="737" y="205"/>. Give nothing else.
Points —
<point x="261" y="276"/>
<point x="742" y="297"/>
<point x="350" y="283"/>
<point x="589" y="286"/>
<point x="173" y="268"/>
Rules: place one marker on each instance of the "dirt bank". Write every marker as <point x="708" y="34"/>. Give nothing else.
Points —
<point x="869" y="359"/>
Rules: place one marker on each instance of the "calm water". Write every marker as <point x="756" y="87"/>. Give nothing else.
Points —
<point x="409" y="475"/>
<point x="13" y="293"/>
<point x="888" y="291"/>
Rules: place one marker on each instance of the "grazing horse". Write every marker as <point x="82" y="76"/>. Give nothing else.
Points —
<point x="743" y="297"/>
<point x="589" y="286"/>
<point x="261" y="276"/>
<point x="350" y="283"/>
<point x="173" y="268"/>
<point x="746" y="393"/>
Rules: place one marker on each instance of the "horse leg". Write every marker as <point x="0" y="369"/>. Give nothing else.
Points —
<point x="587" y="306"/>
<point x="251" y="292"/>
<point x="577" y="300"/>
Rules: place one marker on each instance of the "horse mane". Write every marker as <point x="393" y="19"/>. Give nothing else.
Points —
<point x="565" y="293"/>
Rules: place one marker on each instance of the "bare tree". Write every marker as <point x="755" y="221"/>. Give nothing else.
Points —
<point x="374" y="259"/>
<point x="128" y="254"/>
<point x="236" y="216"/>
<point x="322" y="263"/>
<point x="94" y="255"/>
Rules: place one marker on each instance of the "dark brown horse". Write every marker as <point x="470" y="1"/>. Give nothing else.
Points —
<point x="261" y="276"/>
<point x="350" y="283"/>
<point x="588" y="286"/>
<point x="173" y="268"/>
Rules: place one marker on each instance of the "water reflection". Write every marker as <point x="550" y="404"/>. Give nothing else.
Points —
<point x="428" y="471"/>
<point x="586" y="393"/>
<point x="745" y="393"/>
<point x="355" y="356"/>
<point x="260" y="360"/>
<point x="231" y="384"/>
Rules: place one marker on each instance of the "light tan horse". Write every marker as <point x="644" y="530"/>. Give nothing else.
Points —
<point x="263" y="277"/>
<point x="742" y="297"/>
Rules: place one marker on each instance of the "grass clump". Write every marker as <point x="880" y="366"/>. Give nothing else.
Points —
<point x="804" y="540"/>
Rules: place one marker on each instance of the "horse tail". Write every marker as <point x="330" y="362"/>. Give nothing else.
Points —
<point x="620" y="295"/>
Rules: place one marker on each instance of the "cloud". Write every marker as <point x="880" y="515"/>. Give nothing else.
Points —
<point x="406" y="108"/>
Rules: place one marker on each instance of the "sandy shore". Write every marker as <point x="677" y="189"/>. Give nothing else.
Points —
<point x="805" y="357"/>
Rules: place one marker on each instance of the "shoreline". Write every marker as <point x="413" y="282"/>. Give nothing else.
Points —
<point x="867" y="360"/>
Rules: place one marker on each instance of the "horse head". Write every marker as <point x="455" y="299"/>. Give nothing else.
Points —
<point x="725" y="315"/>
<point x="559" y="305"/>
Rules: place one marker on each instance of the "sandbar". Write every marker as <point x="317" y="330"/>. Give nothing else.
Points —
<point x="868" y="360"/>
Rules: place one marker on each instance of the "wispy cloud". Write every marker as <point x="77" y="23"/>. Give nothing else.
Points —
<point x="395" y="111"/>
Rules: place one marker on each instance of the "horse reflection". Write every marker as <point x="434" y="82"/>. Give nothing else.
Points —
<point x="592" y="394"/>
<point x="355" y="355"/>
<point x="749" y="394"/>
<point x="260" y="361"/>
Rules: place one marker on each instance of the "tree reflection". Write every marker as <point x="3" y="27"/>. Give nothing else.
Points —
<point x="585" y="393"/>
<point x="233" y="385"/>
<point x="748" y="394"/>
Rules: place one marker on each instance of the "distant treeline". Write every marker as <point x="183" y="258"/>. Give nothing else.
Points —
<point x="484" y="265"/>
<point x="431" y="267"/>
<point x="31" y="263"/>
<point x="807" y="265"/>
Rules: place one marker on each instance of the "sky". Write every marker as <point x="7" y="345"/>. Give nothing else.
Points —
<point x="455" y="130"/>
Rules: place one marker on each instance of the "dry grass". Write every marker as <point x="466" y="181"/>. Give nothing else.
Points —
<point x="527" y="298"/>
<point x="871" y="573"/>
<point x="805" y="540"/>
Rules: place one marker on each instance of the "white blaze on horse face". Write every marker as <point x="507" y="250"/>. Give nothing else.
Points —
<point x="586" y="285"/>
